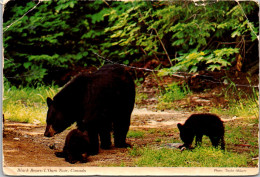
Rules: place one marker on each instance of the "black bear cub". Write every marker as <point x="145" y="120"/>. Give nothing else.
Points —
<point x="202" y="124"/>
<point x="76" y="147"/>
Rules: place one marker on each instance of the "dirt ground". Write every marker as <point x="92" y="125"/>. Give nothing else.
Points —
<point x="25" y="146"/>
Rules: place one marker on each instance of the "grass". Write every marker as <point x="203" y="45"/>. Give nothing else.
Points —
<point x="241" y="137"/>
<point x="240" y="103"/>
<point x="140" y="97"/>
<point x="135" y="134"/>
<point x="199" y="157"/>
<point x="27" y="104"/>
<point x="241" y="131"/>
<point x="247" y="107"/>
<point x="174" y="91"/>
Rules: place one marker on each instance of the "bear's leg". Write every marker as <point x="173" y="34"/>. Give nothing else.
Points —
<point x="84" y="158"/>
<point x="60" y="154"/>
<point x="71" y="159"/>
<point x="120" y="132"/>
<point x="215" y="141"/>
<point x="94" y="142"/>
<point x="198" y="140"/>
<point x="105" y="139"/>
<point x="222" y="143"/>
<point x="63" y="153"/>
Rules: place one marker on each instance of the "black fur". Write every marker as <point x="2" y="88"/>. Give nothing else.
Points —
<point x="76" y="147"/>
<point x="97" y="102"/>
<point x="202" y="124"/>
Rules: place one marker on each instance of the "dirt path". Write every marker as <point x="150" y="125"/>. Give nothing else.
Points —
<point x="25" y="146"/>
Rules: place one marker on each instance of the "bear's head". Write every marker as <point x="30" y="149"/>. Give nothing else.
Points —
<point x="57" y="120"/>
<point x="186" y="134"/>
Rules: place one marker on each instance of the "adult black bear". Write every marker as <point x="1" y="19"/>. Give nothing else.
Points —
<point x="76" y="147"/>
<point x="98" y="102"/>
<point x="202" y="124"/>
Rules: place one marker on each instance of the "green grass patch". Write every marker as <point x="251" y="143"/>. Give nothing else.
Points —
<point x="135" y="134"/>
<point x="174" y="91"/>
<point x="199" y="157"/>
<point x="27" y="104"/>
<point x="242" y="132"/>
<point x="240" y="103"/>
<point x="247" y="107"/>
<point x="241" y="138"/>
<point x="140" y="97"/>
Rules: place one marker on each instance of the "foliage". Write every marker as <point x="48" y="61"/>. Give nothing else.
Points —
<point x="190" y="62"/>
<point x="168" y="29"/>
<point x="58" y="37"/>
<point x="173" y="92"/>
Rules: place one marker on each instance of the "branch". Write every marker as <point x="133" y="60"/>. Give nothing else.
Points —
<point x="6" y="28"/>
<point x="163" y="46"/>
<point x="143" y="50"/>
<point x="107" y="4"/>
<point x="159" y="40"/>
<point x="249" y="24"/>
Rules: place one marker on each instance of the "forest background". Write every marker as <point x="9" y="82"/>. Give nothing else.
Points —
<point x="48" y="42"/>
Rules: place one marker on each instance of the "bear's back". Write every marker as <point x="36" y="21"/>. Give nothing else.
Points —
<point x="107" y="76"/>
<point x="204" y="123"/>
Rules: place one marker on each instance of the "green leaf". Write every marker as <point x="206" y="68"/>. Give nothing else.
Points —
<point x="235" y="33"/>
<point x="214" y="67"/>
<point x="27" y="65"/>
<point x="126" y="62"/>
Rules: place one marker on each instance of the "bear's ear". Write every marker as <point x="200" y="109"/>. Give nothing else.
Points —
<point x="179" y="126"/>
<point x="49" y="101"/>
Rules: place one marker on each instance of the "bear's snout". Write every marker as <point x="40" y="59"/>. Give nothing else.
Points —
<point x="49" y="132"/>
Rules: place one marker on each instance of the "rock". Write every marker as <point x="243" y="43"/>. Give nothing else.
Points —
<point x="183" y="148"/>
<point x="52" y="146"/>
<point x="35" y="121"/>
<point x="174" y="145"/>
<point x="17" y="139"/>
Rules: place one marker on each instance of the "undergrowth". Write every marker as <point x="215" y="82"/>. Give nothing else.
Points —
<point x="240" y="103"/>
<point x="172" y="92"/>
<point x="27" y="104"/>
